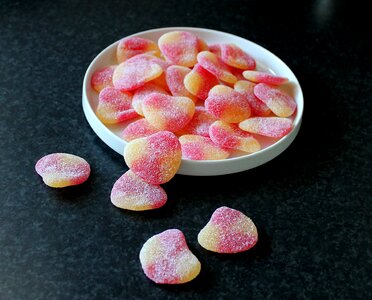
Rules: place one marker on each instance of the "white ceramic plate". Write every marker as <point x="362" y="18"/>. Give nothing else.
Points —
<point x="266" y="60"/>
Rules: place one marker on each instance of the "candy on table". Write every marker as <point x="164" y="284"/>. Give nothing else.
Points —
<point x="272" y="126"/>
<point x="141" y="93"/>
<point x="228" y="231"/>
<point x="138" y="129"/>
<point x="62" y="169"/>
<point x="135" y="72"/>
<point x="102" y="78"/>
<point x="114" y="106"/>
<point x="199" y="81"/>
<point x="199" y="123"/>
<point x="258" y="108"/>
<point x="155" y="158"/>
<point x="235" y="57"/>
<point x="231" y="136"/>
<point x="133" y="193"/>
<point x="226" y="104"/>
<point x="263" y="77"/>
<point x="280" y="103"/>
<point x="213" y="64"/>
<point x="166" y="259"/>
<point x="198" y="147"/>
<point x="174" y="77"/>
<point x="132" y="46"/>
<point x="180" y="47"/>
<point x="167" y="112"/>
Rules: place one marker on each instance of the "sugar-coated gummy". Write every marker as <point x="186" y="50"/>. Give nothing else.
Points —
<point x="102" y="78"/>
<point x="264" y="77"/>
<point x="174" y="77"/>
<point x="155" y="158"/>
<point x="199" y="124"/>
<point x="132" y="46"/>
<point x="141" y="93"/>
<point x="271" y="126"/>
<point x="138" y="129"/>
<point x="166" y="259"/>
<point x="228" y="231"/>
<point x="62" y="169"/>
<point x="235" y="57"/>
<point x="131" y="192"/>
<point x="196" y="147"/>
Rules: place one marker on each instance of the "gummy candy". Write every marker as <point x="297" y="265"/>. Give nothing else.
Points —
<point x="114" y="106"/>
<point x="198" y="147"/>
<point x="258" y="108"/>
<point x="233" y="56"/>
<point x="155" y="158"/>
<point x="62" y="169"/>
<point x="141" y="93"/>
<point x="132" y="46"/>
<point x="228" y="231"/>
<point x="138" y="129"/>
<point x="102" y="78"/>
<point x="175" y="76"/>
<point x="278" y="101"/>
<point x="133" y="193"/>
<point x="213" y="64"/>
<point x="263" y="77"/>
<point x="167" y="112"/>
<point x="272" y="126"/>
<point x="226" y="104"/>
<point x="199" y="123"/>
<point x="199" y="81"/>
<point x="230" y="136"/>
<point x="166" y="258"/>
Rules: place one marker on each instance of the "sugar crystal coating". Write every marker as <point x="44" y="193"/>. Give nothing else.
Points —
<point x="228" y="231"/>
<point x="235" y="57"/>
<point x="196" y="147"/>
<point x="132" y="46"/>
<point x="199" y="124"/>
<point x="166" y="259"/>
<point x="263" y="77"/>
<point x="174" y="77"/>
<point x="102" y="78"/>
<point x="272" y="126"/>
<point x="141" y="93"/>
<point x="62" y="169"/>
<point x="133" y="193"/>
<point x="138" y="129"/>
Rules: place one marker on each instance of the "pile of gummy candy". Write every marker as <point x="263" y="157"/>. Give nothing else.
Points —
<point x="186" y="99"/>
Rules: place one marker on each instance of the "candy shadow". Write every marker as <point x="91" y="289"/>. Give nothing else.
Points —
<point x="72" y="194"/>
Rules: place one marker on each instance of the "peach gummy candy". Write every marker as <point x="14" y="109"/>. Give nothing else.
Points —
<point x="62" y="169"/>
<point x="166" y="259"/>
<point x="132" y="46"/>
<point x="196" y="147"/>
<point x="167" y="112"/>
<point x="228" y="231"/>
<point x="102" y="78"/>
<point x="230" y="136"/>
<point x="132" y="193"/>
<point x="138" y="129"/>
<point x="235" y="57"/>
<point x="226" y="104"/>
<point x="272" y="127"/>
<point x="141" y="93"/>
<point x="114" y="106"/>
<point x="174" y="77"/>
<point x="278" y="101"/>
<point x="263" y="77"/>
<point x="155" y="158"/>
<point x="199" y="123"/>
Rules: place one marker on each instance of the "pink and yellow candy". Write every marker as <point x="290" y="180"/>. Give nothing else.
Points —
<point x="141" y="93"/>
<point x="166" y="259"/>
<point x="272" y="126"/>
<point x="196" y="147"/>
<point x="199" y="124"/>
<point x="235" y="57"/>
<point x="230" y="136"/>
<point x="155" y="158"/>
<point x="228" y="231"/>
<point x="132" y="46"/>
<point x="133" y="193"/>
<point x="138" y="129"/>
<point x="174" y="77"/>
<point x="62" y="169"/>
<point x="263" y="77"/>
<point x="102" y="78"/>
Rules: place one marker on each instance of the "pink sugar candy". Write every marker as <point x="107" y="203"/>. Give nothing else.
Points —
<point x="135" y="72"/>
<point x="167" y="112"/>
<point x="138" y="129"/>
<point x="132" y="46"/>
<point x="62" y="169"/>
<point x="263" y="77"/>
<point x="166" y="258"/>
<point x="141" y="93"/>
<point x="156" y="158"/>
<point x="114" y="106"/>
<point x="132" y="193"/>
<point x="216" y="49"/>
<point x="199" y="81"/>
<point x="196" y="147"/>
<point x="102" y="78"/>
<point x="245" y="88"/>
<point x="199" y="124"/>
<point x="230" y="136"/>
<point x="280" y="103"/>
<point x="174" y="77"/>
<point x="226" y="104"/>
<point x="180" y="47"/>
<point x="213" y="64"/>
<point x="272" y="127"/>
<point x="228" y="231"/>
<point x="235" y="57"/>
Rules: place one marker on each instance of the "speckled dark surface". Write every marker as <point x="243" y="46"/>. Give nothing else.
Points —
<point x="312" y="204"/>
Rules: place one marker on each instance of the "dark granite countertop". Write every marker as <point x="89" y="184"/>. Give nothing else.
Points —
<point x="312" y="204"/>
